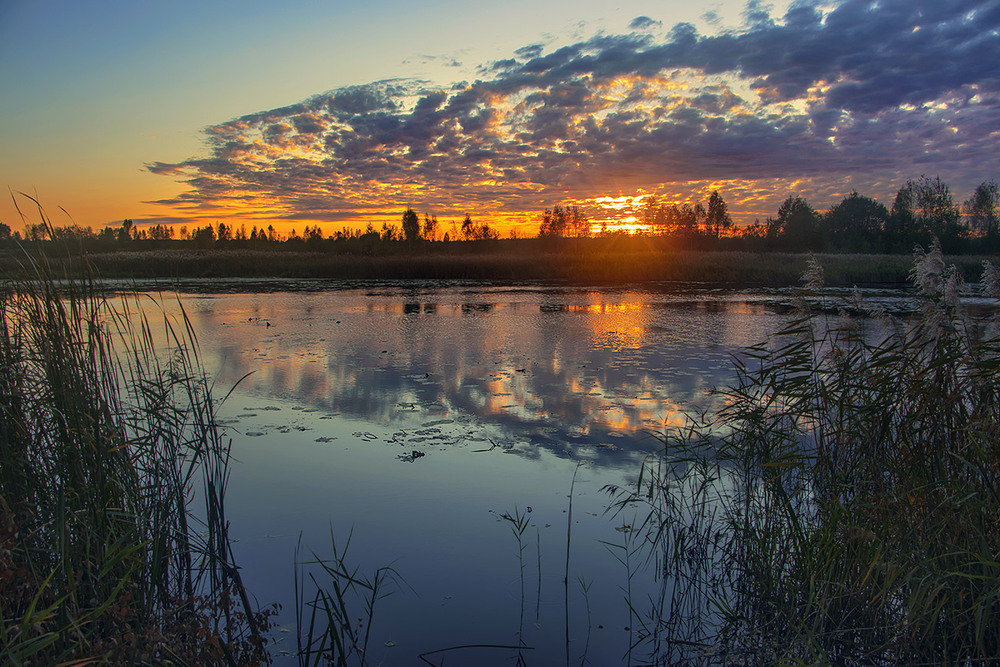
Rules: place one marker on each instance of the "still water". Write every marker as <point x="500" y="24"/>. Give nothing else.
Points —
<point x="410" y="418"/>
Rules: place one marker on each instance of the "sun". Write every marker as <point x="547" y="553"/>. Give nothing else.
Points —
<point x="626" y="225"/>
<point x="621" y="215"/>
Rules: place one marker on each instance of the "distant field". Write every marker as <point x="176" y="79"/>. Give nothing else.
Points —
<point x="503" y="261"/>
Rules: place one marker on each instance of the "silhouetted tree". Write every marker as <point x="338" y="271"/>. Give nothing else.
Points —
<point x="430" y="227"/>
<point x="656" y="216"/>
<point x="411" y="225"/>
<point x="74" y="233"/>
<point x="160" y="232"/>
<point x="391" y="232"/>
<point x="578" y="223"/>
<point x="467" y="227"/>
<point x="756" y="231"/>
<point x="717" y="218"/>
<point x="901" y="229"/>
<point x="924" y="209"/>
<point x="36" y="232"/>
<point x="981" y="209"/>
<point x="935" y="206"/>
<point x="651" y="208"/>
<point x="554" y="222"/>
<point x="796" y="224"/>
<point x="688" y="218"/>
<point x="856" y="223"/>
<point x="203" y="237"/>
<point x="313" y="236"/>
<point x="4" y="232"/>
<point x="564" y="221"/>
<point x="482" y="232"/>
<point x="125" y="233"/>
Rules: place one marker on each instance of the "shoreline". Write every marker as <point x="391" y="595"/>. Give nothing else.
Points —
<point x="589" y="263"/>
<point x="598" y="266"/>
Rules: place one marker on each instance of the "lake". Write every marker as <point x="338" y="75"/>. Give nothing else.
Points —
<point x="409" y="419"/>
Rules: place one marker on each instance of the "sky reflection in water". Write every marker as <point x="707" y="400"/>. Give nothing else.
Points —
<point x="415" y="417"/>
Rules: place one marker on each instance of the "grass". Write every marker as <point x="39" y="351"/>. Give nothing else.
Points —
<point x="329" y="627"/>
<point x="114" y="545"/>
<point x="842" y="508"/>
<point x="591" y="261"/>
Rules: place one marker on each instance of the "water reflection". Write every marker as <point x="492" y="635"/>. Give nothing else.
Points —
<point x="557" y="369"/>
<point x="411" y="416"/>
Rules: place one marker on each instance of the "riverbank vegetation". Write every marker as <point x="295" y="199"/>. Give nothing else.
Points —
<point x="842" y="508"/>
<point x="579" y="261"/>
<point x="114" y="544"/>
<point x="597" y="261"/>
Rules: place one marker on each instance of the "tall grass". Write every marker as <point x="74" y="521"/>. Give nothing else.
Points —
<point x="330" y="630"/>
<point x="592" y="261"/>
<point x="843" y="507"/>
<point x="114" y="545"/>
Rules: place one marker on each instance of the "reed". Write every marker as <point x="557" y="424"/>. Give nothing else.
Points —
<point x="114" y="545"/>
<point x="518" y="525"/>
<point x="328" y="593"/>
<point x="591" y="261"/>
<point x="843" y="506"/>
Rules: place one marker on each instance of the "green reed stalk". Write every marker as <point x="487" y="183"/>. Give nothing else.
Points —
<point x="518" y="524"/>
<point x="105" y="553"/>
<point x="328" y="634"/>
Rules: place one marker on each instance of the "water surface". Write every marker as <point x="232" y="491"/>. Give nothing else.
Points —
<point x="410" y="418"/>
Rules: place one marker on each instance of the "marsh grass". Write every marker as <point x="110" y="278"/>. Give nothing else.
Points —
<point x="592" y="261"/>
<point x="843" y="507"/>
<point x="335" y="606"/>
<point x="519" y="522"/>
<point x="114" y="546"/>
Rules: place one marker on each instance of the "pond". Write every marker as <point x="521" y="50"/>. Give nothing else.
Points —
<point x="409" y="419"/>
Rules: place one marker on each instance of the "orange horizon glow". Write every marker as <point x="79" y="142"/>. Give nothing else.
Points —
<point x="621" y="213"/>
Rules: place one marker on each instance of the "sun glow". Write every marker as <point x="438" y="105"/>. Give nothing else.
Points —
<point x="629" y="225"/>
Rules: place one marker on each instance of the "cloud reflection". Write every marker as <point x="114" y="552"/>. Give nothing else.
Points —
<point x="564" y="370"/>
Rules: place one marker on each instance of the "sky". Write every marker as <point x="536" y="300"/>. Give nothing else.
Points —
<point x="339" y="114"/>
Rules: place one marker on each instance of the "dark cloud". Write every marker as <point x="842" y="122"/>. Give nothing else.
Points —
<point x="876" y="90"/>
<point x="164" y="168"/>
<point x="530" y="51"/>
<point x="644" y="23"/>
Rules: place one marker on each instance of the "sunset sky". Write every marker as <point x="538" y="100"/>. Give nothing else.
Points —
<point x="338" y="114"/>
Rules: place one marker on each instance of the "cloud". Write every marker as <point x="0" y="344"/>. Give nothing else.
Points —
<point x="644" y="23"/>
<point x="860" y="92"/>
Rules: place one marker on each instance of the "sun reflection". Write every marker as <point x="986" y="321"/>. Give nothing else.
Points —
<point x="577" y="369"/>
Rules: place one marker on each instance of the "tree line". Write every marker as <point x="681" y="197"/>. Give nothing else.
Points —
<point x="923" y="209"/>
<point x="410" y="230"/>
